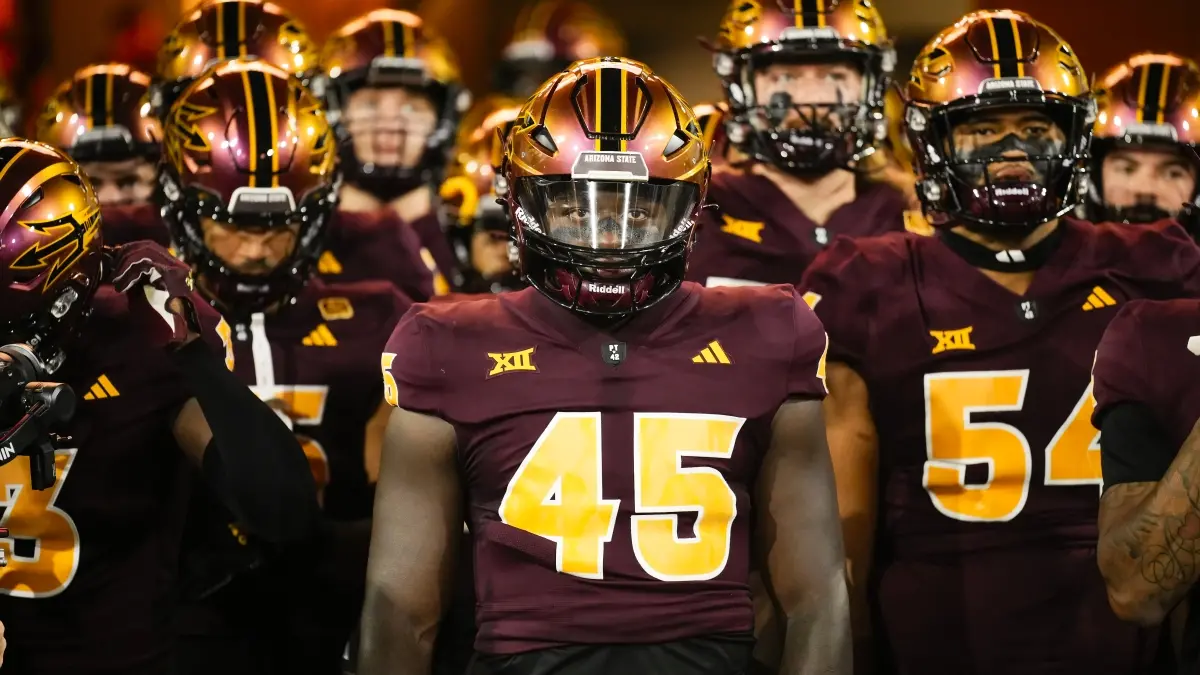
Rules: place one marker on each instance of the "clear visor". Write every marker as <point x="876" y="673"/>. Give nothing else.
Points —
<point x="612" y="215"/>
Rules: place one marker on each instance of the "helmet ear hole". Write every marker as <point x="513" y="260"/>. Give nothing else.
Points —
<point x="39" y="194"/>
<point x="542" y="137"/>
<point x="676" y="143"/>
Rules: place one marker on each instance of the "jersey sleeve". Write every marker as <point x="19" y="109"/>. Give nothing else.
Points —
<point x="1133" y="443"/>
<point x="414" y="276"/>
<point x="1187" y="263"/>
<point x="806" y="374"/>
<point x="831" y="288"/>
<point x="1118" y="372"/>
<point x="412" y="378"/>
<point x="215" y="331"/>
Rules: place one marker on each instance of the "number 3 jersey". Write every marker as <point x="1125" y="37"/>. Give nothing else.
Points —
<point x="92" y="560"/>
<point x="608" y="475"/>
<point x="989" y="467"/>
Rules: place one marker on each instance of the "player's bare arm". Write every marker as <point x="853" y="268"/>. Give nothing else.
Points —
<point x="1149" y="550"/>
<point x="373" y="447"/>
<point x="854" y="449"/>
<point x="800" y="535"/>
<point x="417" y="526"/>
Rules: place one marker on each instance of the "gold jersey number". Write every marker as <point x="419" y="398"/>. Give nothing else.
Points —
<point x="42" y="546"/>
<point x="954" y="440"/>
<point x="305" y="405"/>
<point x="558" y="493"/>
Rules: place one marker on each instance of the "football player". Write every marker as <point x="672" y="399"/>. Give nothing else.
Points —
<point x="959" y="368"/>
<point x="470" y="202"/>
<point x="101" y="117"/>
<point x="605" y="430"/>
<point x="394" y="96"/>
<point x="251" y="224"/>
<point x="550" y="35"/>
<point x="1143" y="169"/>
<point x="711" y="118"/>
<point x="226" y="29"/>
<point x="1146" y="408"/>
<point x="804" y="83"/>
<point x="90" y="582"/>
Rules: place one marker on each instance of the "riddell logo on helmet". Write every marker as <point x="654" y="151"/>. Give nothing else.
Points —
<point x="605" y="289"/>
<point x="1012" y="192"/>
<point x="527" y="220"/>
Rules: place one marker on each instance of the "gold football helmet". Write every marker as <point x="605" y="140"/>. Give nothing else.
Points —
<point x="548" y="37"/>
<point x="606" y="172"/>
<point x="102" y="113"/>
<point x="1149" y="100"/>
<point x="803" y="136"/>
<point x="989" y="61"/>
<point x="384" y="149"/>
<point x="229" y="29"/>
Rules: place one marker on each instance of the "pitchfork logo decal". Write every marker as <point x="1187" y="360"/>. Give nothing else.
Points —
<point x="65" y="244"/>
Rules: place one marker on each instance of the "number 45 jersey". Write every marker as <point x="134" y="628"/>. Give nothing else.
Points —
<point x="608" y="475"/>
<point x="989" y="467"/>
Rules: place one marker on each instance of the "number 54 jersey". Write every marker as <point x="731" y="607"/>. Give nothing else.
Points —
<point x="608" y="474"/>
<point x="989" y="467"/>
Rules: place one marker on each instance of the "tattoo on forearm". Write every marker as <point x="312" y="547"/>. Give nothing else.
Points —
<point x="1172" y="562"/>
<point x="1162" y="539"/>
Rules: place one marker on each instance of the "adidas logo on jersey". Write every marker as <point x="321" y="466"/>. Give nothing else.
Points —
<point x="713" y="353"/>
<point x="103" y="388"/>
<point x="1098" y="299"/>
<point x="328" y="264"/>
<point x="320" y="337"/>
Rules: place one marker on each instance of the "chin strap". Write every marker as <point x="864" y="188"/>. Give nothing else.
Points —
<point x="1004" y="260"/>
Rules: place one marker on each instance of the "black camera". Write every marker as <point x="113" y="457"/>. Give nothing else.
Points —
<point x="29" y="407"/>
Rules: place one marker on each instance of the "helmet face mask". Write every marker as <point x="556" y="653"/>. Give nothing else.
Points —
<point x="1005" y="168"/>
<point x="787" y="122"/>
<point x="219" y="178"/>
<point x="1142" y="182"/>
<point x="999" y="117"/>
<point x="470" y="208"/>
<point x="394" y="136"/>
<point x="394" y="96"/>
<point x="604" y="229"/>
<point x="1144" y="160"/>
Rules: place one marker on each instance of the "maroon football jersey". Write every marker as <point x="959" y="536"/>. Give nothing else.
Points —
<point x="92" y="560"/>
<point x="989" y="465"/>
<point x="757" y="234"/>
<point x="586" y="455"/>
<point x="439" y="255"/>
<point x="318" y="359"/>
<point x="364" y="246"/>
<point x="1150" y="354"/>
<point x="123" y="224"/>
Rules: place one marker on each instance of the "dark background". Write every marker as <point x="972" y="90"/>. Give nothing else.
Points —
<point x="43" y="41"/>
